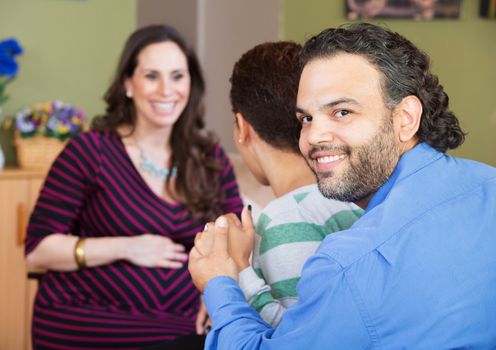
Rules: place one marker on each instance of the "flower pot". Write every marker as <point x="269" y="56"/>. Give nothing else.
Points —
<point x="38" y="152"/>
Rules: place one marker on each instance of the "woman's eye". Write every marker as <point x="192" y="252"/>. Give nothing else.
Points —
<point x="151" y="76"/>
<point x="177" y="76"/>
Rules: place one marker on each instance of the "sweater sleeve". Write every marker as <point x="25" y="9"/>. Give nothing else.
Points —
<point x="256" y="289"/>
<point x="284" y="242"/>
<point x="232" y="199"/>
<point x="259" y="294"/>
<point x="66" y="186"/>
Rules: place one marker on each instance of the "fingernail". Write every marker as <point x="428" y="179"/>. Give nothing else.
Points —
<point x="249" y="207"/>
<point x="221" y="222"/>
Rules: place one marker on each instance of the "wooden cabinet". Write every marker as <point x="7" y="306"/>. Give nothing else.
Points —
<point x="19" y="190"/>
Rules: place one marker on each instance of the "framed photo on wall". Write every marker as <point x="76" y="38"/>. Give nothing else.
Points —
<point x="488" y="9"/>
<point x="407" y="9"/>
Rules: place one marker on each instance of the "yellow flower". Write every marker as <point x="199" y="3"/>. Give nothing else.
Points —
<point x="63" y="129"/>
<point x="75" y="120"/>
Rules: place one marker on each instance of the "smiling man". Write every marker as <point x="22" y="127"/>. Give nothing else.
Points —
<point x="418" y="270"/>
<point x="347" y="133"/>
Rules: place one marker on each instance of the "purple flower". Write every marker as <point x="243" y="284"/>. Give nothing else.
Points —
<point x="52" y="119"/>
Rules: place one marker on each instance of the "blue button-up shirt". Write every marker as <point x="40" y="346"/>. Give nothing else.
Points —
<point x="418" y="270"/>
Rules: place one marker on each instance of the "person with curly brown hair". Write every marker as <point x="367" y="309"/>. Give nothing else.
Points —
<point x="122" y="203"/>
<point x="418" y="269"/>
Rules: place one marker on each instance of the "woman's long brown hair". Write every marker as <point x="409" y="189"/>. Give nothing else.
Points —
<point x="197" y="181"/>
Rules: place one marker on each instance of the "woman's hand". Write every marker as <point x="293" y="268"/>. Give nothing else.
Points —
<point x="150" y="250"/>
<point x="204" y="246"/>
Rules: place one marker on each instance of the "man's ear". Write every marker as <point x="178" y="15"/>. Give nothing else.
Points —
<point x="243" y="128"/>
<point x="407" y="115"/>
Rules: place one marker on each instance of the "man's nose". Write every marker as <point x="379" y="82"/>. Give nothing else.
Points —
<point x="320" y="131"/>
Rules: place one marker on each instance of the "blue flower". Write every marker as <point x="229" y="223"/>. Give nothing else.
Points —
<point x="9" y="48"/>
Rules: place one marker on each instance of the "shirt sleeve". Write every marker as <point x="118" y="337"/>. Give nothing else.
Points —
<point x="63" y="194"/>
<point x="232" y="200"/>
<point x="327" y="316"/>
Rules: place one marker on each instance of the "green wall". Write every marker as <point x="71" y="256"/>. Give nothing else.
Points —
<point x="463" y="54"/>
<point x="70" y="50"/>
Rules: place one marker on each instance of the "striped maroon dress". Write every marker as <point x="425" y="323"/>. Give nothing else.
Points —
<point x="94" y="190"/>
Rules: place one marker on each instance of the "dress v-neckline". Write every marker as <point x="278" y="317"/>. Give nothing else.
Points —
<point x="141" y="179"/>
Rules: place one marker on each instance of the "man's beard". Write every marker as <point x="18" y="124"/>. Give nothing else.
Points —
<point x="369" y="167"/>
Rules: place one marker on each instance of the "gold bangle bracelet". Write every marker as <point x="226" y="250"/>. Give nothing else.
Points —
<point x="79" y="253"/>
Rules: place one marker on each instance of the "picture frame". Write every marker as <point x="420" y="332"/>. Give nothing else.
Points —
<point x="403" y="9"/>
<point x="487" y="9"/>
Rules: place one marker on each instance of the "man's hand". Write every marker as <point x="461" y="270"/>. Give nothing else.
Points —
<point x="214" y="260"/>
<point x="241" y="239"/>
<point x="203" y="322"/>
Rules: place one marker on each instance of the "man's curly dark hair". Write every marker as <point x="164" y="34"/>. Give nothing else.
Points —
<point x="264" y="84"/>
<point x="406" y="72"/>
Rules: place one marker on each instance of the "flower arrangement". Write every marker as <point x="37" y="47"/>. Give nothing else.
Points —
<point x="9" y="48"/>
<point x="51" y="119"/>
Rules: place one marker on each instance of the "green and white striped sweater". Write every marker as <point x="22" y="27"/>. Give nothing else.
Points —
<point x="289" y="230"/>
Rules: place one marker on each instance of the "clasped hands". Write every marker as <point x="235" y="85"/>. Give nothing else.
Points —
<point x="223" y="249"/>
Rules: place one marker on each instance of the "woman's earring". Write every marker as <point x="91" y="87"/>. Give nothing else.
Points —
<point x="129" y="94"/>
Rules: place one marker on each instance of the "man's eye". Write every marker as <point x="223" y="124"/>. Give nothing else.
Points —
<point x="305" y="119"/>
<point x="342" y="113"/>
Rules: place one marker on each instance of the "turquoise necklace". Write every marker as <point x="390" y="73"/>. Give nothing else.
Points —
<point x="147" y="166"/>
<point x="158" y="172"/>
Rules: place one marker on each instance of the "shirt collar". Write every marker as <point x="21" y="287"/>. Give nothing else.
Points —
<point x="410" y="162"/>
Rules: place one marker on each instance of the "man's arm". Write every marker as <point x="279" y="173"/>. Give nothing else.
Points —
<point x="328" y="314"/>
